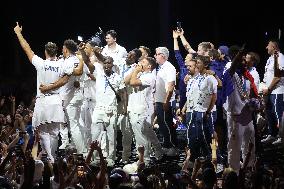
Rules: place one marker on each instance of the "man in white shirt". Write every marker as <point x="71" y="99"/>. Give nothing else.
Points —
<point x="72" y="96"/>
<point x="125" y="70"/>
<point x="201" y="127"/>
<point x="252" y="59"/>
<point x="113" y="49"/>
<point x="191" y="94"/>
<point x="164" y="95"/>
<point x="89" y="86"/>
<point x="108" y="86"/>
<point x="274" y="91"/>
<point x="239" y="90"/>
<point x="48" y="112"/>
<point x="141" y="107"/>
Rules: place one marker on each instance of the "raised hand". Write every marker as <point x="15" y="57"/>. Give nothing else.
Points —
<point x="18" y="28"/>
<point x="95" y="145"/>
<point x="175" y="34"/>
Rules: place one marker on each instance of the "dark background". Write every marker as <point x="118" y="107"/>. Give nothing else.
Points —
<point x="148" y="23"/>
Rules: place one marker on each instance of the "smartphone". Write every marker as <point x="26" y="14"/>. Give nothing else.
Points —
<point x="179" y="25"/>
<point x="80" y="171"/>
<point x="80" y="38"/>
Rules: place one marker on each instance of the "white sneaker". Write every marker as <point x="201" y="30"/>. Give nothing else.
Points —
<point x="171" y="151"/>
<point x="268" y="139"/>
<point x="278" y="141"/>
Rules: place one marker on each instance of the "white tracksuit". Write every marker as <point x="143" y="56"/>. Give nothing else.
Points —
<point x="141" y="110"/>
<point x="105" y="113"/>
<point x="238" y="135"/>
<point x="48" y="113"/>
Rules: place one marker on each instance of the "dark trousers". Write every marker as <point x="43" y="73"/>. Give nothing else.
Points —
<point x="274" y="112"/>
<point x="199" y="135"/>
<point x="165" y="122"/>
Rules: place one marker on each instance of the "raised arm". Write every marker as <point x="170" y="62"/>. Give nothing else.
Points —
<point x="236" y="61"/>
<point x="99" y="55"/>
<point x="24" y="44"/>
<point x="185" y="43"/>
<point x="175" y="37"/>
<point x="134" y="81"/>
<point x="86" y="59"/>
<point x="178" y="56"/>
<point x="127" y="78"/>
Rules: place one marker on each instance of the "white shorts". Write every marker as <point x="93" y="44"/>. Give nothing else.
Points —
<point x="48" y="109"/>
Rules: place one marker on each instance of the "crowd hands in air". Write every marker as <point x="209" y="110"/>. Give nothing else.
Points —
<point x="67" y="136"/>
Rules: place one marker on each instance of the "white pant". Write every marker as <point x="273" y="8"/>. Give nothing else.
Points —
<point x="49" y="138"/>
<point x="86" y="118"/>
<point x="127" y="135"/>
<point x="239" y="137"/>
<point x="144" y="133"/>
<point x="73" y="111"/>
<point x="103" y="129"/>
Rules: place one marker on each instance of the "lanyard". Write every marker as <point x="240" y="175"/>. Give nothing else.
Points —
<point x="200" y="79"/>
<point x="191" y="82"/>
<point x="106" y="83"/>
<point x="124" y="70"/>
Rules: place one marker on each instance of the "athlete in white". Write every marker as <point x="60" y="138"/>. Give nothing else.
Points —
<point x="48" y="112"/>
<point x="238" y="88"/>
<point x="89" y="87"/>
<point x="71" y="94"/>
<point x="108" y="86"/>
<point x="141" y="107"/>
<point x="125" y="70"/>
<point x="113" y="49"/>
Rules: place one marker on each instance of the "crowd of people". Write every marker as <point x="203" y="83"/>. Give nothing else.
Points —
<point x="67" y="137"/>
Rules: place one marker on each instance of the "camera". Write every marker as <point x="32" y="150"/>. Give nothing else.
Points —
<point x="80" y="170"/>
<point x="80" y="38"/>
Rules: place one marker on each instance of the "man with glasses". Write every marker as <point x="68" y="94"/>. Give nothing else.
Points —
<point x="164" y="96"/>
